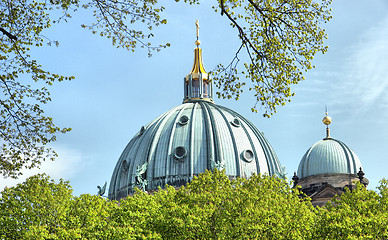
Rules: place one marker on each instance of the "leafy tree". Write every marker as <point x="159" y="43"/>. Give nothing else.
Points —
<point x="212" y="206"/>
<point x="357" y="214"/>
<point x="94" y="217"/>
<point x="42" y="209"/>
<point x="137" y="213"/>
<point x="35" y="208"/>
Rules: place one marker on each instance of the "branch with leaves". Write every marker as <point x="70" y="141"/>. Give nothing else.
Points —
<point x="280" y="39"/>
<point x="24" y="129"/>
<point x="116" y="20"/>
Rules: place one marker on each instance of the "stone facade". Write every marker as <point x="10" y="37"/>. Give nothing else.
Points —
<point x="322" y="188"/>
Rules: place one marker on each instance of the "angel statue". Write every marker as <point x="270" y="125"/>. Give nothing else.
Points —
<point x="219" y="165"/>
<point x="142" y="183"/>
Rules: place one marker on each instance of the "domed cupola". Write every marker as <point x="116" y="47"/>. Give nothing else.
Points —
<point x="190" y="138"/>
<point x="328" y="156"/>
<point x="328" y="162"/>
<point x="197" y="84"/>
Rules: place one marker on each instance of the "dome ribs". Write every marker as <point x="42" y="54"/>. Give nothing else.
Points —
<point x="231" y="133"/>
<point x="188" y="139"/>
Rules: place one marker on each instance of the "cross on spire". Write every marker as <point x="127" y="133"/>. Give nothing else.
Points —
<point x="197" y="25"/>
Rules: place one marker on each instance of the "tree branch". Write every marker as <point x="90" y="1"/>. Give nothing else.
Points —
<point x="242" y="35"/>
<point x="9" y="35"/>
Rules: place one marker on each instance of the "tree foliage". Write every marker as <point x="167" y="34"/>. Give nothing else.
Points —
<point x="280" y="39"/>
<point x="42" y="209"/>
<point x="357" y="214"/>
<point x="36" y="207"/>
<point x="24" y="128"/>
<point x="128" y="23"/>
<point x="211" y="206"/>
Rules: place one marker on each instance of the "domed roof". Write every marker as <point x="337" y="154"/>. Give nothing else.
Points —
<point x="186" y="141"/>
<point x="328" y="156"/>
<point x="190" y="138"/>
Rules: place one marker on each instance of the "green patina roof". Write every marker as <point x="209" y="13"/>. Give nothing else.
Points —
<point x="328" y="156"/>
<point x="186" y="141"/>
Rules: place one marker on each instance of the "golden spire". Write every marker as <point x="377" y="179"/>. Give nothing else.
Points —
<point x="198" y="65"/>
<point x="327" y="120"/>
<point x="197" y="84"/>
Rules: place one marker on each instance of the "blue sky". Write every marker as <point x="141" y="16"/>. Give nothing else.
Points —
<point x="116" y="92"/>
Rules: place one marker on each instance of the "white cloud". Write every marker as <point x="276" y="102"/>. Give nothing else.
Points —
<point x="366" y="69"/>
<point x="67" y="165"/>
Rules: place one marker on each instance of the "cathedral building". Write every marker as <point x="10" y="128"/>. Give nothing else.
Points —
<point x="199" y="135"/>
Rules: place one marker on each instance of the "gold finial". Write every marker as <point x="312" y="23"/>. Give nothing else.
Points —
<point x="197" y="25"/>
<point x="327" y="120"/>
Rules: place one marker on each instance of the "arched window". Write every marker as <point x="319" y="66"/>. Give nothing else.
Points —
<point x="195" y="88"/>
<point x="187" y="89"/>
<point x="205" y="89"/>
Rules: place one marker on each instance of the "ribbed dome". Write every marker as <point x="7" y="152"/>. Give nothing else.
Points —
<point x="186" y="141"/>
<point x="191" y="138"/>
<point x="328" y="156"/>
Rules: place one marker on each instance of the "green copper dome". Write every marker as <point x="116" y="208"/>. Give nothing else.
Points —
<point x="186" y="141"/>
<point x="190" y="138"/>
<point x="328" y="156"/>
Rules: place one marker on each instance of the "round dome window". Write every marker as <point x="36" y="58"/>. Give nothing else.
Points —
<point x="247" y="155"/>
<point x="180" y="153"/>
<point x="236" y="122"/>
<point x="183" y="120"/>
